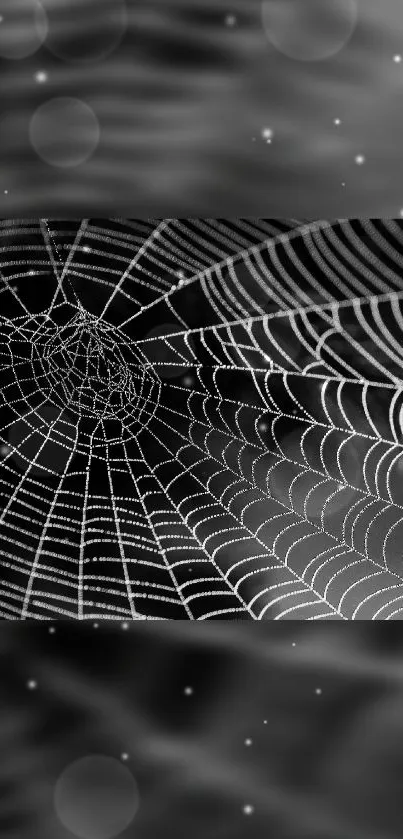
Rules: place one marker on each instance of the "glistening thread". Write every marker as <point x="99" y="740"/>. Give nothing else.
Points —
<point x="201" y="419"/>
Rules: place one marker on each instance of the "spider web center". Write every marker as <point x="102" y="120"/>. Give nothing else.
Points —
<point x="90" y="367"/>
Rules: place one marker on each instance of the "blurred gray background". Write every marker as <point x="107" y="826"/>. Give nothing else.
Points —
<point x="201" y="107"/>
<point x="320" y="705"/>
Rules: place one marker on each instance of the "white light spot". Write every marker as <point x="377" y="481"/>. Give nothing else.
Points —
<point x="318" y="691"/>
<point x="41" y="77"/>
<point x="248" y="741"/>
<point x="230" y="20"/>
<point x="397" y="59"/>
<point x="359" y="159"/>
<point x="32" y="684"/>
<point x="248" y="809"/>
<point x="267" y="134"/>
<point x="337" y="121"/>
<point x="188" y="691"/>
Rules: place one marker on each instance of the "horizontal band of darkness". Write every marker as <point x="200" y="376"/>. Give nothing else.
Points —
<point x="201" y="419"/>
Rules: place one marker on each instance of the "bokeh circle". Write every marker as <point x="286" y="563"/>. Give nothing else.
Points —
<point x="79" y="33"/>
<point x="309" y="30"/>
<point x="64" y="132"/>
<point x="96" y="797"/>
<point x="23" y="28"/>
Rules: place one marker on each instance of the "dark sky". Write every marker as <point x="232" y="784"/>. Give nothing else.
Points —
<point x="174" y="97"/>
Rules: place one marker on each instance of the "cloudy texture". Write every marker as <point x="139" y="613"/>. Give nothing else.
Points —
<point x="299" y="724"/>
<point x="182" y="91"/>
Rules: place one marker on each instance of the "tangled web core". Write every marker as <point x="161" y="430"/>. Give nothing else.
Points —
<point x="201" y="419"/>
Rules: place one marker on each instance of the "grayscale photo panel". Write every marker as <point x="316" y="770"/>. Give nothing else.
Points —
<point x="201" y="419"/>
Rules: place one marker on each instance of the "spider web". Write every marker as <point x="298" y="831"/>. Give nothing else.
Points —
<point x="201" y="419"/>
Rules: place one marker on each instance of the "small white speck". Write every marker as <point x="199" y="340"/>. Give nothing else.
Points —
<point x="124" y="756"/>
<point x="125" y="625"/>
<point x="248" y="809"/>
<point x="52" y="630"/>
<point x="230" y="20"/>
<point x="264" y="722"/>
<point x="267" y="134"/>
<point x="318" y="691"/>
<point x="6" y="192"/>
<point x="293" y="644"/>
<point x="397" y="59"/>
<point x="41" y="77"/>
<point x="359" y="159"/>
<point x="248" y="741"/>
<point x="86" y="249"/>
<point x="337" y="121"/>
<point x="188" y="691"/>
<point x="401" y="213"/>
<point x="343" y="183"/>
<point x="5" y="450"/>
<point x="32" y="684"/>
<point x="95" y="625"/>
